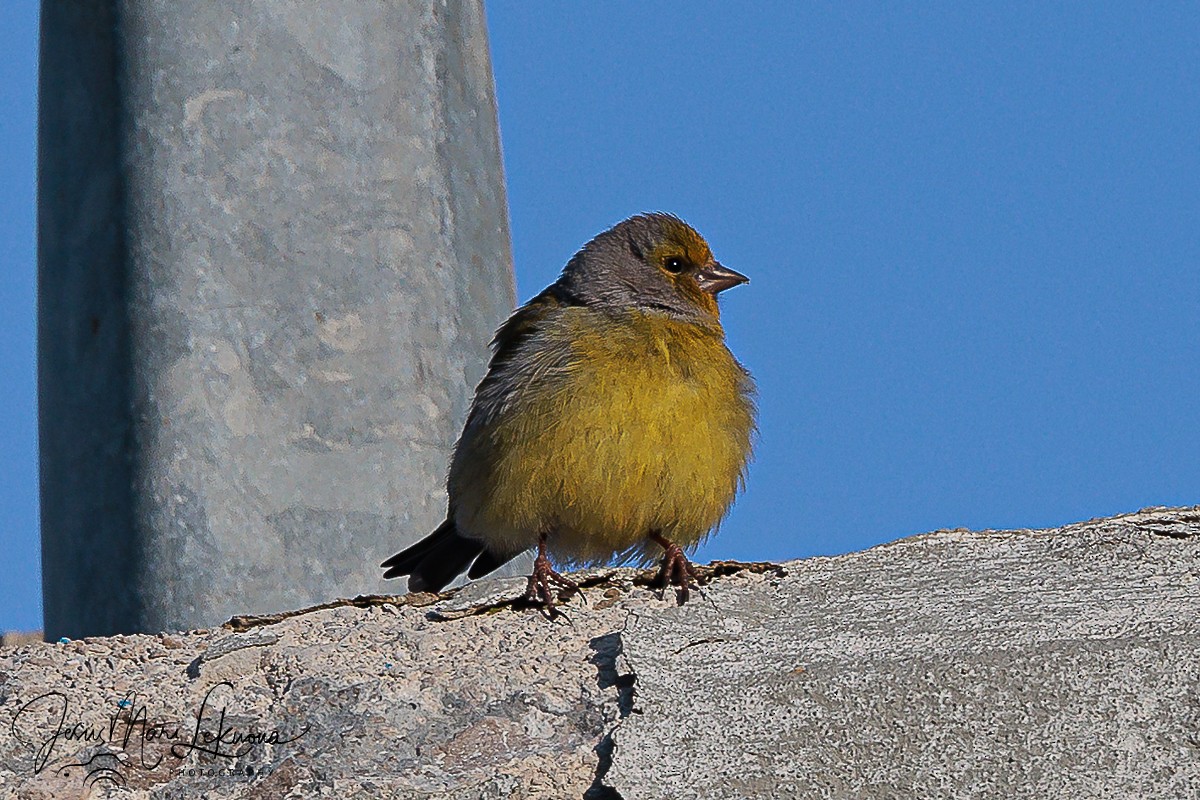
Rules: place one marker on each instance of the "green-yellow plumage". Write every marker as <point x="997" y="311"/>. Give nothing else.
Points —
<point x="633" y="422"/>
<point x="613" y="419"/>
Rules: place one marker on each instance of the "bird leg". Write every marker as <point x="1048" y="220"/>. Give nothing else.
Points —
<point x="676" y="569"/>
<point x="543" y="575"/>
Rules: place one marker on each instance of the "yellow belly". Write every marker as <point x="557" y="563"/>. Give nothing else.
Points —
<point x="647" y="428"/>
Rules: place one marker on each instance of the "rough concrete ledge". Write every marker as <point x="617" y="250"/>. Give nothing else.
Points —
<point x="1054" y="663"/>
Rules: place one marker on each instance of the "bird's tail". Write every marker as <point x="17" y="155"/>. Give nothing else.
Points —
<point x="439" y="558"/>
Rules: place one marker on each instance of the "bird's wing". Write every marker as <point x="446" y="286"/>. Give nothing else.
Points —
<point x="520" y="356"/>
<point x="525" y="321"/>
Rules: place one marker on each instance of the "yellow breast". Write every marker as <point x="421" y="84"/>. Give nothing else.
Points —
<point x="620" y="427"/>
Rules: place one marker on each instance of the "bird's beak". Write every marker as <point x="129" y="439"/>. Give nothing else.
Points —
<point x="715" y="278"/>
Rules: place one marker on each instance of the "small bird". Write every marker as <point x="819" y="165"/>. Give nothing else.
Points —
<point x="612" y="421"/>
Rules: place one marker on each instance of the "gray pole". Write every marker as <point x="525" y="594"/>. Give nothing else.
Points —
<point x="273" y="245"/>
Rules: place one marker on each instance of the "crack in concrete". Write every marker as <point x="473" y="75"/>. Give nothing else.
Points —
<point x="621" y="579"/>
<point x="608" y="676"/>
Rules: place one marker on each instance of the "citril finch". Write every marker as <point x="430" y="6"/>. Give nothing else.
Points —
<point x="613" y="420"/>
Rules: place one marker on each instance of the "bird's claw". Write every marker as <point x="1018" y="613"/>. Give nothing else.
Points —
<point x="539" y="589"/>
<point x="677" y="571"/>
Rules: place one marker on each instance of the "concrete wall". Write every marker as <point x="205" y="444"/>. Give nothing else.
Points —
<point x="1001" y="664"/>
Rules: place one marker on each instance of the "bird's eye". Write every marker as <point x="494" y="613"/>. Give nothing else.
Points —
<point x="673" y="265"/>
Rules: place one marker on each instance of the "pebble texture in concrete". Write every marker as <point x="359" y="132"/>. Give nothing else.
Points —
<point x="1008" y="664"/>
<point x="273" y="247"/>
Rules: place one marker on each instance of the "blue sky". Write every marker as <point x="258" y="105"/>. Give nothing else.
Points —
<point x="972" y="232"/>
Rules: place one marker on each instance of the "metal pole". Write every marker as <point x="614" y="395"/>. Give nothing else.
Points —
<point x="273" y="245"/>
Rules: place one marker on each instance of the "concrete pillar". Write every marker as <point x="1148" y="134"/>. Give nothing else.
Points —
<point x="273" y="245"/>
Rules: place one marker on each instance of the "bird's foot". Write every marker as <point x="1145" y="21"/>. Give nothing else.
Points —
<point x="676" y="571"/>
<point x="539" y="589"/>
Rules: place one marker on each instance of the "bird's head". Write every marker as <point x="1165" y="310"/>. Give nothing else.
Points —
<point x="654" y="262"/>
